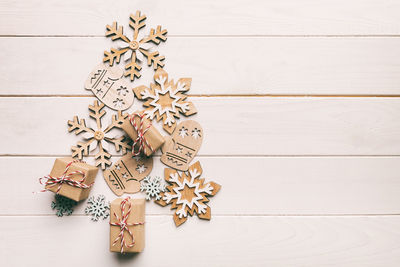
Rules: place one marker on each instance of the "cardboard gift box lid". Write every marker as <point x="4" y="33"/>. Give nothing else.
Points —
<point x="69" y="191"/>
<point x="153" y="136"/>
<point x="136" y="216"/>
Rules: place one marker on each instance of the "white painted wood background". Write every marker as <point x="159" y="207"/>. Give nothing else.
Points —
<point x="300" y="102"/>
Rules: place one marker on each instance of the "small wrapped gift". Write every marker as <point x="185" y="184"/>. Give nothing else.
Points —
<point x="127" y="225"/>
<point x="70" y="178"/>
<point x="146" y="138"/>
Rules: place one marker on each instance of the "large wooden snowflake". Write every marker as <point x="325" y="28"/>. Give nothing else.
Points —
<point x="101" y="137"/>
<point x="134" y="50"/>
<point x="166" y="99"/>
<point x="188" y="194"/>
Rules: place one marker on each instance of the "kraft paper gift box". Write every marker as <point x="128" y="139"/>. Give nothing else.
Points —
<point x="152" y="135"/>
<point x="136" y="216"/>
<point x="69" y="191"/>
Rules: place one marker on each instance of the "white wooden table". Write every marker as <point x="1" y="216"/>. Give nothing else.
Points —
<point x="300" y="103"/>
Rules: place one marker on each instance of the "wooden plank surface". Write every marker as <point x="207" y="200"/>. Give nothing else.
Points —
<point x="250" y="185"/>
<point x="279" y="66"/>
<point x="226" y="241"/>
<point x="306" y="181"/>
<point x="244" y="126"/>
<point x="233" y="17"/>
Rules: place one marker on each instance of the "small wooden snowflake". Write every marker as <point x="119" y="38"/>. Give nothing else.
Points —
<point x="134" y="50"/>
<point x="166" y="99"/>
<point x="98" y="138"/>
<point x="188" y="193"/>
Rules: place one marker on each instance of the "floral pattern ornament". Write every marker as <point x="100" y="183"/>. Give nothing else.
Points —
<point x="166" y="100"/>
<point x="136" y="49"/>
<point x="188" y="193"/>
<point x="99" y="137"/>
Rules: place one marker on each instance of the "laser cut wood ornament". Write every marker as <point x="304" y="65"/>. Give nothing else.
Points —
<point x="98" y="137"/>
<point x="182" y="147"/>
<point x="188" y="193"/>
<point x="110" y="87"/>
<point x="125" y="175"/>
<point x="166" y="100"/>
<point x="136" y="49"/>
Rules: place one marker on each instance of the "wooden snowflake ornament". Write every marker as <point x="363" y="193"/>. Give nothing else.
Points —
<point x="134" y="50"/>
<point x="166" y="99"/>
<point x="188" y="193"/>
<point x="100" y="137"/>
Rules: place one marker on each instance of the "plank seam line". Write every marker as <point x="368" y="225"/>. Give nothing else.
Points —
<point x="222" y="95"/>
<point x="227" y="215"/>
<point x="213" y="36"/>
<point x="211" y="156"/>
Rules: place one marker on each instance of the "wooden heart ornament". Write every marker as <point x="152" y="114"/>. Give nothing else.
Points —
<point x="182" y="147"/>
<point x="110" y="87"/>
<point x="125" y="175"/>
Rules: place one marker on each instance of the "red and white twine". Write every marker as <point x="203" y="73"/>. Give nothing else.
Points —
<point x="122" y="223"/>
<point x="65" y="179"/>
<point x="141" y="139"/>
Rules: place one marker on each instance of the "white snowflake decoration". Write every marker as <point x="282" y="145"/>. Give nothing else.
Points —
<point x="97" y="208"/>
<point x="152" y="186"/>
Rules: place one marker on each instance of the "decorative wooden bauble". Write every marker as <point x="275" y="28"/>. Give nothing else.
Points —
<point x="182" y="147"/>
<point x="110" y="87"/>
<point x="137" y="49"/>
<point x="166" y="100"/>
<point x="99" y="136"/>
<point x="188" y="193"/>
<point x="125" y="175"/>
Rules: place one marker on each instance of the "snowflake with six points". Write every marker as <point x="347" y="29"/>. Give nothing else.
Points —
<point x="63" y="205"/>
<point x="98" y="138"/>
<point x="134" y="50"/>
<point x="166" y="100"/>
<point x="141" y="168"/>
<point x="97" y="208"/>
<point x="188" y="193"/>
<point x="152" y="186"/>
<point x="196" y="133"/>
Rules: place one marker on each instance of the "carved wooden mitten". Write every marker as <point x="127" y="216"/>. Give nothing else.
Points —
<point x="125" y="175"/>
<point x="182" y="147"/>
<point x="110" y="87"/>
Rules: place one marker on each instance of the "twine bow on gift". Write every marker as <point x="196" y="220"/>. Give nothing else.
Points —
<point x="65" y="179"/>
<point x="141" y="139"/>
<point x="122" y="223"/>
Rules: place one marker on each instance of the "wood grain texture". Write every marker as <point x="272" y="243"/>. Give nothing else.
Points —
<point x="306" y="181"/>
<point x="225" y="241"/>
<point x="250" y="185"/>
<point x="244" y="126"/>
<point x="279" y="66"/>
<point x="227" y="17"/>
